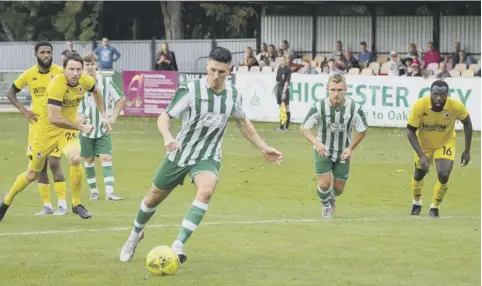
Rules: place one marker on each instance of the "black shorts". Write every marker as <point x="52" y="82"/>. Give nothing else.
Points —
<point x="279" y="95"/>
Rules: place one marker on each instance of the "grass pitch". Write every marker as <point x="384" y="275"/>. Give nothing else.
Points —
<point x="262" y="226"/>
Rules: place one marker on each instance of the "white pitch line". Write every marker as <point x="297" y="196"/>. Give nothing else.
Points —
<point x="278" y="221"/>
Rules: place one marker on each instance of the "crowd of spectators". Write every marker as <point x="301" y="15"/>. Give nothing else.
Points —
<point x="429" y="64"/>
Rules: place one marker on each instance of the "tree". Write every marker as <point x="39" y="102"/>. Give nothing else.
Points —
<point x="87" y="14"/>
<point x="234" y="17"/>
<point x="173" y="24"/>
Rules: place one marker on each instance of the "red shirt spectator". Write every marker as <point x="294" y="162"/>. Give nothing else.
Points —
<point x="431" y="56"/>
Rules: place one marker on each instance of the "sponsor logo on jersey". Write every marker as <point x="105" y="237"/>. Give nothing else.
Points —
<point x="446" y="115"/>
<point x="39" y="155"/>
<point x="434" y="127"/>
<point x="39" y="90"/>
<point x="71" y="102"/>
<point x="34" y="78"/>
<point x="80" y="90"/>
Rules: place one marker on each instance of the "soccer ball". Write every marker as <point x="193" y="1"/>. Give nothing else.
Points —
<point x="162" y="260"/>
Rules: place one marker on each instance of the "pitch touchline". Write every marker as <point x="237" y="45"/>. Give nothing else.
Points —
<point x="279" y="221"/>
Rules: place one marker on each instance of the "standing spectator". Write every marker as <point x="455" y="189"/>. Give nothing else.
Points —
<point x="165" y="59"/>
<point x="465" y="59"/>
<point x="365" y="56"/>
<point x="431" y="56"/>
<point x="70" y="48"/>
<point x="283" y="79"/>
<point x="249" y="59"/>
<point x="287" y="50"/>
<point x="307" y="68"/>
<point x="338" y="49"/>
<point x="350" y="61"/>
<point x="395" y="65"/>
<point x="412" y="48"/>
<point x="106" y="55"/>
<point x="455" y="54"/>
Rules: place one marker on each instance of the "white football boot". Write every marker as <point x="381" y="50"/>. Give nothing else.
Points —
<point x="129" y="248"/>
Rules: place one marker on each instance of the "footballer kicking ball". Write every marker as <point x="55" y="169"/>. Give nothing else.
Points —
<point x="162" y="260"/>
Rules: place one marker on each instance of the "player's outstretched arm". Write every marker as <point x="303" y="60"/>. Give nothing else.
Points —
<point x="249" y="132"/>
<point x="467" y="122"/>
<point x="118" y="108"/>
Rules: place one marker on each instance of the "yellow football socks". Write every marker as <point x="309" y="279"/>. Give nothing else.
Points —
<point x="439" y="192"/>
<point x="44" y="190"/>
<point x="60" y="189"/>
<point x="417" y="189"/>
<point x="76" y="177"/>
<point x="20" y="184"/>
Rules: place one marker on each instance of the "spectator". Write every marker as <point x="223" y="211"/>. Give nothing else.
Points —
<point x="271" y="56"/>
<point x="70" y="48"/>
<point x="444" y="73"/>
<point x="365" y="56"/>
<point x="338" y="49"/>
<point x="455" y="54"/>
<point x="165" y="59"/>
<point x="287" y="50"/>
<point x="415" y="59"/>
<point x="307" y="68"/>
<point x="249" y="59"/>
<point x="431" y="56"/>
<point x="350" y="61"/>
<point x="106" y="55"/>
<point x="465" y="59"/>
<point x="407" y="68"/>
<point x="264" y="52"/>
<point x="412" y="48"/>
<point x="294" y="67"/>
<point x="334" y="67"/>
<point x="395" y="65"/>
<point x="415" y="71"/>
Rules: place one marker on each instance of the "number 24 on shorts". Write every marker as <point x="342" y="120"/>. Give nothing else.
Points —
<point x="70" y="135"/>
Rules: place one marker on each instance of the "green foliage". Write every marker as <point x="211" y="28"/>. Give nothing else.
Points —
<point x="234" y="18"/>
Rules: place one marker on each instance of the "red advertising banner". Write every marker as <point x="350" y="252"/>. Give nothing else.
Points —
<point x="148" y="93"/>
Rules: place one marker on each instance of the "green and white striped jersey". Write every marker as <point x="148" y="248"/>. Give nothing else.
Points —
<point x="88" y="108"/>
<point x="335" y="126"/>
<point x="204" y="116"/>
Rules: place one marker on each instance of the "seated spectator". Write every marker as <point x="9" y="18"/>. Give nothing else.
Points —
<point x="307" y="68"/>
<point x="415" y="71"/>
<point x="271" y="55"/>
<point x="294" y="67"/>
<point x="165" y="59"/>
<point x="249" y="59"/>
<point x="465" y="59"/>
<point x="338" y="49"/>
<point x="407" y="66"/>
<point x="455" y="54"/>
<point x="415" y="58"/>
<point x="350" y="61"/>
<point x="431" y="56"/>
<point x="287" y="50"/>
<point x="335" y="67"/>
<point x="264" y="51"/>
<point x="365" y="56"/>
<point x="412" y="48"/>
<point x="395" y="65"/>
<point x="444" y="73"/>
